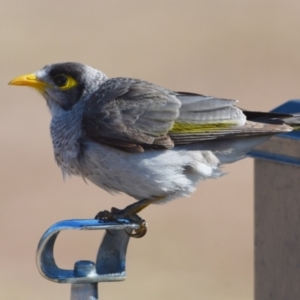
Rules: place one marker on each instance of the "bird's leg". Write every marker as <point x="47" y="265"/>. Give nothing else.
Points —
<point x="130" y="213"/>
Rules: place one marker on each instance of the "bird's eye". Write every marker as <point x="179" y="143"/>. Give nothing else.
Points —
<point x="60" y="80"/>
<point x="64" y="82"/>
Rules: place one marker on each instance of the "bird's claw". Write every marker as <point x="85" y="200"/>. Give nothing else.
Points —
<point x="116" y="215"/>
<point x="105" y="215"/>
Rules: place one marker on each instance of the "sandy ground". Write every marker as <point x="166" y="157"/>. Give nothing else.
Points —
<point x="196" y="248"/>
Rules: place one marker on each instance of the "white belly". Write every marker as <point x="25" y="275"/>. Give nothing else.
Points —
<point x="168" y="173"/>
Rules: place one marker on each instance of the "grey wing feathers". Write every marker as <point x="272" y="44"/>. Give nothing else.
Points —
<point x="128" y="113"/>
<point x="134" y="115"/>
<point x="216" y="118"/>
<point x="199" y="109"/>
<point x="249" y="129"/>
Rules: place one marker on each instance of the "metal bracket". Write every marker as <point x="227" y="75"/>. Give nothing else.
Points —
<point x="110" y="262"/>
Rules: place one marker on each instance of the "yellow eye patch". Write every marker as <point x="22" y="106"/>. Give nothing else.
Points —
<point x="64" y="82"/>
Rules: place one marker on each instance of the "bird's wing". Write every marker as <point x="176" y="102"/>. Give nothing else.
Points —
<point x="134" y="115"/>
<point x="131" y="115"/>
<point x="206" y="118"/>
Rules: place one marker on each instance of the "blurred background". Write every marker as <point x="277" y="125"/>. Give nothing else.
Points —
<point x="196" y="248"/>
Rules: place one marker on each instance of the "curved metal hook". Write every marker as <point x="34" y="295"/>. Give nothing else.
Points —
<point x="110" y="262"/>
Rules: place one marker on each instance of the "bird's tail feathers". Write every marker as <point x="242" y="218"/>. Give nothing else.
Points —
<point x="292" y="120"/>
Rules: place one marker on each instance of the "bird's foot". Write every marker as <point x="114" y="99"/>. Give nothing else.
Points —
<point x="117" y="214"/>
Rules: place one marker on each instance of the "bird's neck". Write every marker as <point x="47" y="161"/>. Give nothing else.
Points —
<point x="66" y="133"/>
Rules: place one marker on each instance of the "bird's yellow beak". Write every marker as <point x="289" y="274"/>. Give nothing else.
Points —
<point x="29" y="80"/>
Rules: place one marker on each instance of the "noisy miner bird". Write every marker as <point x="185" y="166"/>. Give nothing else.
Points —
<point x="131" y="136"/>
